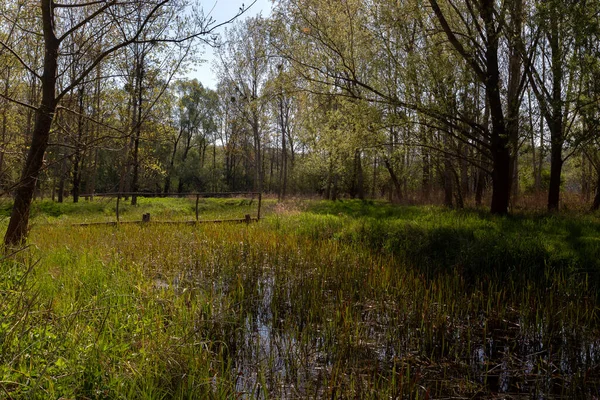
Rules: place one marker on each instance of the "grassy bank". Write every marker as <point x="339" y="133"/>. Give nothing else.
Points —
<point x="335" y="300"/>
<point x="103" y="209"/>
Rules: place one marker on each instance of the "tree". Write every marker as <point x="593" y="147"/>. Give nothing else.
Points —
<point x="244" y="65"/>
<point x="553" y="56"/>
<point x="119" y="24"/>
<point x="484" y="60"/>
<point x="196" y="112"/>
<point x="354" y="49"/>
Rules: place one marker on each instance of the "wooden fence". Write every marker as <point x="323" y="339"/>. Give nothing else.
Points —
<point x="146" y="217"/>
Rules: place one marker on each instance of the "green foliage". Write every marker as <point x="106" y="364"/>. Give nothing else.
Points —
<point x="321" y="299"/>
<point x="103" y="209"/>
<point x="520" y="248"/>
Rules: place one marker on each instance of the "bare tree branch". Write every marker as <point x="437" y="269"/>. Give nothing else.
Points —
<point x="455" y="42"/>
<point x="111" y="50"/>
<point x="20" y="59"/>
<point x="18" y="102"/>
<point x="79" y="5"/>
<point x="87" y="20"/>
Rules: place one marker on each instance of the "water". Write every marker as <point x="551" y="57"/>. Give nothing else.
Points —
<point x="353" y="346"/>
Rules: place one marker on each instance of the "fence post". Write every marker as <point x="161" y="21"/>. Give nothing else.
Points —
<point x="259" y="204"/>
<point x="118" y="199"/>
<point x="197" y="200"/>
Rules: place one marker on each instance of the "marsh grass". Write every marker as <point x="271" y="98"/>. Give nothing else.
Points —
<point x="103" y="209"/>
<point x="320" y="300"/>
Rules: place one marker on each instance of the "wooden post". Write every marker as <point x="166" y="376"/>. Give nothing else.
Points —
<point x="118" y="199"/>
<point x="259" y="204"/>
<point x="146" y="217"/>
<point x="197" y="200"/>
<point x="248" y="219"/>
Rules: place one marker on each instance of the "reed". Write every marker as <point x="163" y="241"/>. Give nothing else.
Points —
<point x="321" y="299"/>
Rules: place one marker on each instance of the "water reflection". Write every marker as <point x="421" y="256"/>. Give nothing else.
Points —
<point x="278" y="349"/>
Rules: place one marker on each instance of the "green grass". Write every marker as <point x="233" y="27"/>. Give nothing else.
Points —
<point x="161" y="209"/>
<point x="319" y="300"/>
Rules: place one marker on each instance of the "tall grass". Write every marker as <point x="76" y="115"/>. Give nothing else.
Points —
<point x="321" y="300"/>
<point x="103" y="209"/>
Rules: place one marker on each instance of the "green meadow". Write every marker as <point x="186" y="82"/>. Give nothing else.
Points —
<point x="337" y="300"/>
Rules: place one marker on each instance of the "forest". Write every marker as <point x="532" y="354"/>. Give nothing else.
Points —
<point x="430" y="179"/>
<point x="456" y="102"/>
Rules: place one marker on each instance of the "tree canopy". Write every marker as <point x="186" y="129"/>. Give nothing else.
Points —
<point x="452" y="101"/>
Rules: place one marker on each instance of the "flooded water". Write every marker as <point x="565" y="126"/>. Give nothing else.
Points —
<point x="360" y="347"/>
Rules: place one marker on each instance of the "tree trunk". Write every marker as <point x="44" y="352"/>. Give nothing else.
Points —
<point x="556" y="163"/>
<point x="138" y="128"/>
<point x="500" y="176"/>
<point x="464" y="172"/>
<point x="489" y="76"/>
<point x="360" y="179"/>
<point x="91" y="185"/>
<point x="329" y="180"/>
<point x="214" y="167"/>
<point x="167" y="187"/>
<point x="374" y="186"/>
<point x="272" y="168"/>
<point x="480" y="187"/>
<point x="426" y="175"/>
<point x="63" y="174"/>
<point x="460" y="202"/>
<point x="556" y="118"/>
<point x="500" y="142"/>
<point x="586" y="177"/>
<point x="534" y="153"/>
<point x="258" y="180"/>
<point x="448" y="184"/>
<point x="513" y="93"/>
<point x="77" y="157"/>
<point x="397" y="192"/>
<point x="596" y="204"/>
<point x="5" y="109"/>
<point x="283" y="171"/>
<point x="19" y="219"/>
<point x="203" y="153"/>
<point x="334" y="188"/>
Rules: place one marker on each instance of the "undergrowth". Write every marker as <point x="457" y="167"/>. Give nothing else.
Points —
<point x="320" y="300"/>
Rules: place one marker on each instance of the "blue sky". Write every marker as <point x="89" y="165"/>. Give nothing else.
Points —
<point x="222" y="10"/>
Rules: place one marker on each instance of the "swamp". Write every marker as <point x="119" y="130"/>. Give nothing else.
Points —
<point x="320" y="299"/>
<point x="299" y="199"/>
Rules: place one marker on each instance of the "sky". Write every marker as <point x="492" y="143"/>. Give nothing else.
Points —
<point x="222" y="10"/>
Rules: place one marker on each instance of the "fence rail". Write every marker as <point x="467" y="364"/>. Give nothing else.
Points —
<point x="151" y="194"/>
<point x="198" y="196"/>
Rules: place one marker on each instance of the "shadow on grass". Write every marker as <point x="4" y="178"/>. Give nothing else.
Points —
<point x="54" y="209"/>
<point x="522" y="249"/>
